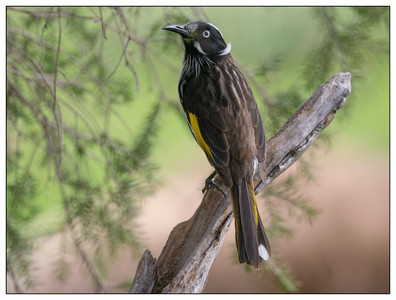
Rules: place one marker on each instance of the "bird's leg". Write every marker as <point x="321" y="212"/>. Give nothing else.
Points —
<point x="209" y="182"/>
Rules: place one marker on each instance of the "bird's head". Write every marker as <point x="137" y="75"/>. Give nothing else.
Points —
<point x="202" y="37"/>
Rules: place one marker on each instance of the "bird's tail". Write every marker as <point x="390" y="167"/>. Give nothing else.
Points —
<point x="252" y="243"/>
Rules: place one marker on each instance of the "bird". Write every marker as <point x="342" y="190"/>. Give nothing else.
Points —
<point x="224" y="119"/>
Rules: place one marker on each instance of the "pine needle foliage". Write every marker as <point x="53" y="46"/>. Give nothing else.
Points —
<point x="64" y="98"/>
<point x="72" y="72"/>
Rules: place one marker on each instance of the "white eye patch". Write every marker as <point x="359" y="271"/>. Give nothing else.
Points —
<point x="206" y="34"/>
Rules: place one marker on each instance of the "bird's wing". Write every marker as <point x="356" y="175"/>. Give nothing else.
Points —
<point x="258" y="132"/>
<point x="208" y="128"/>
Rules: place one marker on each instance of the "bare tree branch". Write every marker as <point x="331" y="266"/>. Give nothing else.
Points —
<point x="55" y="107"/>
<point x="192" y="246"/>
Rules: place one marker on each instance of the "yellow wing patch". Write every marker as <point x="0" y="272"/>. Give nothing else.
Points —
<point x="198" y="135"/>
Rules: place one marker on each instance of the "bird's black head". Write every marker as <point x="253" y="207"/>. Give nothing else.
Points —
<point x="202" y="37"/>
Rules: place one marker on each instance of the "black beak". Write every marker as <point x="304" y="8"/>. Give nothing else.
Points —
<point x="178" y="29"/>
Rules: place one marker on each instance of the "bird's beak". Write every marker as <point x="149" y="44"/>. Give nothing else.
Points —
<point x="178" y="29"/>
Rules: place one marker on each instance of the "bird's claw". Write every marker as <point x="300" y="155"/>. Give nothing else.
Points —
<point x="209" y="182"/>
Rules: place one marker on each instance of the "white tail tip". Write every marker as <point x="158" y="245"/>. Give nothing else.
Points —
<point x="263" y="252"/>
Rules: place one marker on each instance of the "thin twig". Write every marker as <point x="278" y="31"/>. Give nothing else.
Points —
<point x="201" y="15"/>
<point x="100" y="285"/>
<point x="102" y="23"/>
<point x="120" y="59"/>
<point x="132" y="38"/>
<point x="44" y="14"/>
<point x="58" y="121"/>
<point x="99" y="83"/>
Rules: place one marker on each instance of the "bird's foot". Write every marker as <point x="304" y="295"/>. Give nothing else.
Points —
<point x="209" y="182"/>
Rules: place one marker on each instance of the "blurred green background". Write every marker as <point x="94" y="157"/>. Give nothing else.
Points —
<point x="273" y="44"/>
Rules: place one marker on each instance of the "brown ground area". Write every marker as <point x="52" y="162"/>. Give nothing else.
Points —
<point x="346" y="250"/>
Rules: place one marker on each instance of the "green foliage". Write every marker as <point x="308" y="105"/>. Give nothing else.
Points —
<point x="347" y="42"/>
<point x="283" y="277"/>
<point x="63" y="99"/>
<point x="88" y="91"/>
<point x="21" y="187"/>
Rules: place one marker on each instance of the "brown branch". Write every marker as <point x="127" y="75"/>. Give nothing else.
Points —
<point x="192" y="246"/>
<point x="130" y="37"/>
<point x="55" y="107"/>
<point x="102" y="24"/>
<point x="40" y="13"/>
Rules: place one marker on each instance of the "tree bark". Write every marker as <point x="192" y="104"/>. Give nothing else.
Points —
<point x="193" y="245"/>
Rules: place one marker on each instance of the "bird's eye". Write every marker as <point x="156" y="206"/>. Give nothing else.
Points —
<point x="206" y="33"/>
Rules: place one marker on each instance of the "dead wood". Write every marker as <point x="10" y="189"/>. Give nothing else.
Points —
<point x="193" y="245"/>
